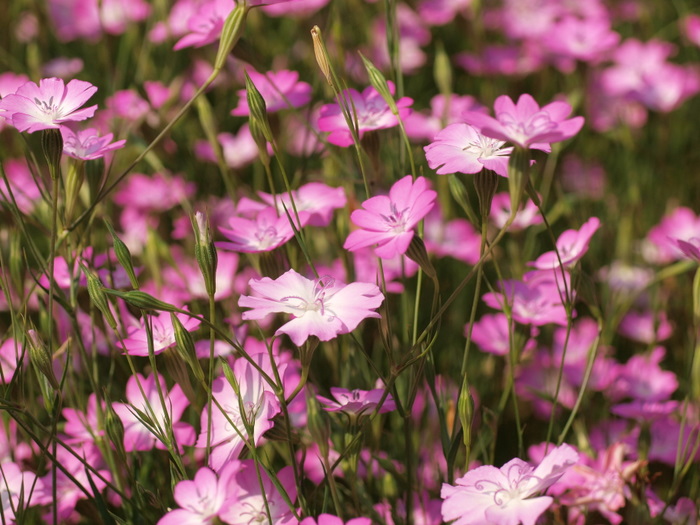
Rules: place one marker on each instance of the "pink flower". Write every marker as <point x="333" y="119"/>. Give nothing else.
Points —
<point x="201" y="499"/>
<point x="423" y="126"/>
<point x="162" y="331"/>
<point x="239" y="150"/>
<point x="491" y="334"/>
<point x="20" y="185"/>
<point x="389" y="220"/>
<point x="266" y="232"/>
<point x="690" y="25"/>
<point x="279" y="89"/>
<point x="357" y="402"/>
<point x="372" y="113"/>
<point x="142" y="393"/>
<point x="646" y="327"/>
<point x="204" y="21"/>
<point x="661" y="245"/>
<point x="257" y="500"/>
<point x="573" y="38"/>
<point x="461" y="148"/>
<point x="504" y="496"/>
<point x="643" y="379"/>
<point x="46" y="106"/>
<point x="18" y="487"/>
<point x="322" y="307"/>
<point x="87" y="144"/>
<point x="525" y="123"/>
<point x="255" y="401"/>
<point x="527" y="216"/>
<point x="329" y="519"/>
<point x="571" y="246"/>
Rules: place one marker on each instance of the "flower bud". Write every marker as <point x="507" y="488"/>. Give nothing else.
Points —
<point x="115" y="430"/>
<point x="176" y="367"/>
<point x="185" y="347"/>
<point x="205" y="252"/>
<point x="230" y="33"/>
<point x="257" y="109"/>
<point x="97" y="294"/>
<point x="518" y="176"/>
<point x="378" y="81"/>
<point x="416" y="252"/>
<point x="40" y="357"/>
<point x="317" y="422"/>
<point x="123" y="255"/>
<point x="143" y="300"/>
<point x="486" y="184"/>
<point x="94" y="172"/>
<point x="465" y="412"/>
<point x="52" y="146"/>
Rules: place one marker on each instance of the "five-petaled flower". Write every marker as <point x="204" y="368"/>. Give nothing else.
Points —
<point x="46" y="106"/>
<point x="389" y="220"/>
<point x="321" y="307"/>
<point x="505" y="496"/>
<point x="525" y="124"/>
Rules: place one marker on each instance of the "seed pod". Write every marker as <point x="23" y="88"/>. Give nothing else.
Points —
<point x="97" y="294"/>
<point x="205" y="251"/>
<point x="40" y="357"/>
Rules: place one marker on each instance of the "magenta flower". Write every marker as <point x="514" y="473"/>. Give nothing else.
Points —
<point x="357" y="402"/>
<point x="322" y="307"/>
<point x="525" y="124"/>
<point x="48" y="105"/>
<point x="279" y="89"/>
<point x="372" y="113"/>
<point x="461" y="148"/>
<point x="571" y="245"/>
<point x="505" y="496"/>
<point x="201" y="499"/>
<point x="389" y="220"/>
<point x="87" y="144"/>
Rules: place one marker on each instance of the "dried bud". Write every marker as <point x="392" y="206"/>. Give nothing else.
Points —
<point x="321" y="54"/>
<point x="205" y="252"/>
<point x="52" y="146"/>
<point x="123" y="255"/>
<point x="230" y="33"/>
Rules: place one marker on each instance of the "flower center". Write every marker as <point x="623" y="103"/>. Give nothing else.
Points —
<point x="317" y="301"/>
<point x="484" y="147"/>
<point x="397" y="219"/>
<point x="47" y="107"/>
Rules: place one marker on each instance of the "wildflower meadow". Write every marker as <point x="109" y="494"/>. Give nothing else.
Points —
<point x="349" y="262"/>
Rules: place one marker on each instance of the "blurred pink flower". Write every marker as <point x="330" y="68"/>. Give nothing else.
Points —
<point x="646" y="327"/>
<point x="322" y="307"/>
<point x="267" y="231"/>
<point x="162" y="331"/>
<point x="203" y="21"/>
<point x="585" y="39"/>
<point x="280" y="90"/>
<point x="571" y="246"/>
<point x="389" y="220"/>
<point x="525" y="124"/>
<point x="371" y="110"/>
<point x="421" y="125"/>
<point x="357" y="402"/>
<point x="239" y="150"/>
<point x="441" y="12"/>
<point x="22" y="185"/>
<point x="491" y="334"/>
<point x="527" y="216"/>
<point x="690" y="25"/>
<point x="461" y="148"/>
<point x="505" y="496"/>
<point x="511" y="59"/>
<point x="642" y="378"/>
<point x="143" y="395"/>
<point x="87" y="144"/>
<point x="661" y="244"/>
<point x="456" y="238"/>
<point x="329" y="519"/>
<point x="46" y="106"/>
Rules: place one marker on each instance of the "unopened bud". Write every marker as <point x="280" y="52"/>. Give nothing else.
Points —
<point x="378" y="81"/>
<point x="416" y="252"/>
<point x="230" y="33"/>
<point x="465" y="412"/>
<point x="123" y="254"/>
<point x="52" y="146"/>
<point x="317" y="422"/>
<point x="94" y="172"/>
<point x="486" y="184"/>
<point x="97" y="294"/>
<point x="205" y="251"/>
<point x="115" y="430"/>
<point x="176" y="367"/>
<point x="257" y="108"/>
<point x="185" y="347"/>
<point x="518" y="176"/>
<point x="442" y="71"/>
<point x="40" y="357"/>
<point x="459" y="193"/>
<point x="321" y="54"/>
<point x="143" y="300"/>
<point x="73" y="183"/>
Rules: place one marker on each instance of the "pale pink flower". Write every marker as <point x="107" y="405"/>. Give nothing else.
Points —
<point x="511" y="59"/>
<point x="204" y="21"/>
<point x="279" y="89"/>
<point x="461" y="148"/>
<point x="153" y="193"/>
<point x="661" y="244"/>
<point x="87" y="144"/>
<point x="421" y="125"/>
<point x="528" y="215"/>
<point x="201" y="499"/>
<point x="571" y="246"/>
<point x="441" y="12"/>
<point x="22" y="186"/>
<point x="389" y="220"/>
<point x="46" y="106"/>
<point x="83" y="427"/>
<point x="252" y="500"/>
<point x="491" y="334"/>
<point x="646" y="327"/>
<point x="642" y="378"/>
<point x="525" y="124"/>
<point x="456" y="238"/>
<point x="163" y="417"/>
<point x="267" y="231"/>
<point x="255" y="401"/>
<point x="585" y="39"/>
<point x="162" y="331"/>
<point x="62" y="67"/>
<point x="329" y="519"/>
<point x="322" y="307"/>
<point x="371" y="110"/>
<point x="17" y="486"/>
<point x="505" y="496"/>
<point x="128" y="105"/>
<point x="357" y="402"/>
<point x="239" y="150"/>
